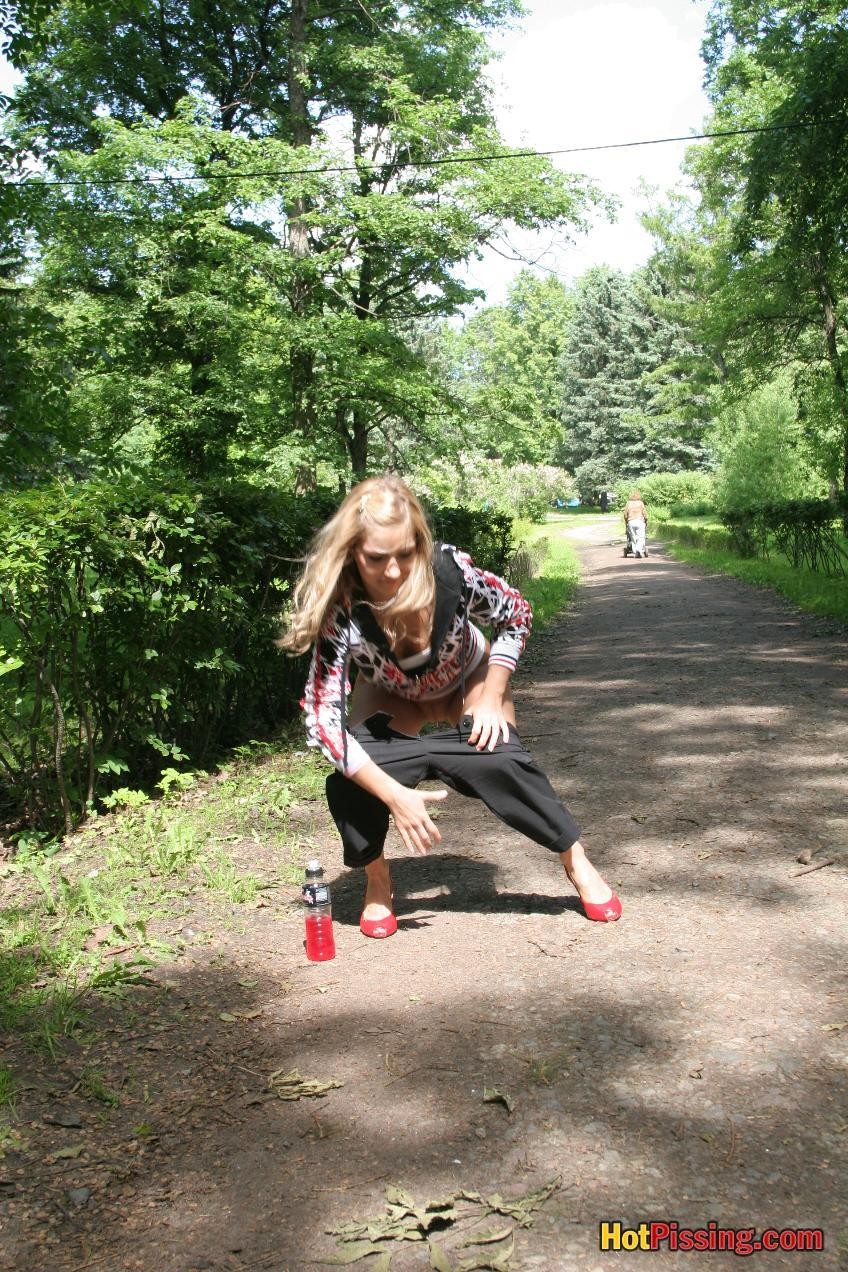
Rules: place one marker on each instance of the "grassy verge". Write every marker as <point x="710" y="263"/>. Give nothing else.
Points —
<point x="86" y="917"/>
<point x="813" y="592"/>
<point x="557" y="570"/>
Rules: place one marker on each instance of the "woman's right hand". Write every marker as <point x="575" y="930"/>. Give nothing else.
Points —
<point x="415" y="827"/>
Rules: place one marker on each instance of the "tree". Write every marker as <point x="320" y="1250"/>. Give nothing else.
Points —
<point x="775" y="202"/>
<point x="762" y="450"/>
<point x="507" y="361"/>
<point x="616" y="422"/>
<point x="345" y="263"/>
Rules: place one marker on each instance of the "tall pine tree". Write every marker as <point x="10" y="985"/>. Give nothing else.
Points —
<point x="617" y="425"/>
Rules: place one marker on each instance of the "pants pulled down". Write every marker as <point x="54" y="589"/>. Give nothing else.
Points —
<point x="506" y="780"/>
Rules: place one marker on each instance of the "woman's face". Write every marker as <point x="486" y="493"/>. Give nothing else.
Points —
<point x="384" y="557"/>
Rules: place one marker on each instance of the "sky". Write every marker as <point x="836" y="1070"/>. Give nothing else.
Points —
<point x="584" y="73"/>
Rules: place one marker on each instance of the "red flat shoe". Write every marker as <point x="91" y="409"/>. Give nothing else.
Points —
<point x="604" y="911"/>
<point x="378" y="927"/>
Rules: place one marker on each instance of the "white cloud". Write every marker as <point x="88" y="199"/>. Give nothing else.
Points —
<point x="583" y="74"/>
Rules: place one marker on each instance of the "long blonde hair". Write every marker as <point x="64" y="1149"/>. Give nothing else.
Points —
<point x="330" y="576"/>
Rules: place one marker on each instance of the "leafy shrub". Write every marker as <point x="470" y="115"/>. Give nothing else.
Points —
<point x="673" y="491"/>
<point x="806" y="531"/>
<point x="695" y="508"/>
<point x="487" y="536"/>
<point x="137" y="625"/>
<point x="709" y="537"/>
<point x="765" y="457"/>
<point x="487" y="485"/>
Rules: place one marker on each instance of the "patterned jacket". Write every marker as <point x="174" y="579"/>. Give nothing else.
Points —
<point x="463" y="594"/>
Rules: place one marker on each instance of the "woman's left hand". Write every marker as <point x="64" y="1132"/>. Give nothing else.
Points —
<point x="490" y="724"/>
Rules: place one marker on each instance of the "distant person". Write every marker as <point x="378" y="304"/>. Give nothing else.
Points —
<point x="604" y="501"/>
<point x="376" y="592"/>
<point x="636" y="524"/>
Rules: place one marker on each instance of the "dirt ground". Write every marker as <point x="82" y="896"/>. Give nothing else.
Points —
<point x="687" y="1063"/>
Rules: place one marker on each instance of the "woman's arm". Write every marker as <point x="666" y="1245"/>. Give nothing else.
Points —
<point x="491" y="723"/>
<point x="326" y="689"/>
<point x="408" y="807"/>
<point x="326" y="694"/>
<point x="492" y="601"/>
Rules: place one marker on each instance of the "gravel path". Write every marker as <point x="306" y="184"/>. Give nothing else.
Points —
<point x="687" y="1063"/>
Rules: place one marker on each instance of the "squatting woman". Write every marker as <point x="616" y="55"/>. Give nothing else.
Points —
<point x="376" y="592"/>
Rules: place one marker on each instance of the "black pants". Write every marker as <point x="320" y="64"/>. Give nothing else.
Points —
<point x="506" y="780"/>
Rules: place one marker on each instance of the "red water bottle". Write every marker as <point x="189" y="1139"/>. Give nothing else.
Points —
<point x="320" y="944"/>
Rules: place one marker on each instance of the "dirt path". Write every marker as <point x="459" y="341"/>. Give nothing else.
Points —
<point x="688" y="1063"/>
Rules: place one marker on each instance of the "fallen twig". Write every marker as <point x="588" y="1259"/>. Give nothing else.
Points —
<point x="542" y="950"/>
<point x="831" y="861"/>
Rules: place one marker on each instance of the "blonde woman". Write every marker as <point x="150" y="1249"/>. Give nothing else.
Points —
<point x="376" y="592"/>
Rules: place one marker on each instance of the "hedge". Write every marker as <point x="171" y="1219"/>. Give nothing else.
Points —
<point x="707" y="537"/>
<point x="806" y="531"/>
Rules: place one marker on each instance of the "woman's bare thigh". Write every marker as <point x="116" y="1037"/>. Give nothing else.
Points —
<point x="408" y="717"/>
<point x="368" y="698"/>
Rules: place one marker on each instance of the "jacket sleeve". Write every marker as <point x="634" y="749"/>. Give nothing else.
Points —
<point x="327" y="688"/>
<point x="493" y="602"/>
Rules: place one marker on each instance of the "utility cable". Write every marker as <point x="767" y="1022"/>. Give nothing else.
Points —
<point x="503" y="157"/>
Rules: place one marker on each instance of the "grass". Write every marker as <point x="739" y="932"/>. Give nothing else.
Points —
<point x="558" y="571"/>
<point x="116" y="884"/>
<point x="8" y="1089"/>
<point x="815" y="593"/>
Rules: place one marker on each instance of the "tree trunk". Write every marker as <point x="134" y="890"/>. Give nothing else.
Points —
<point x="829" y="322"/>
<point x="301" y="362"/>
<point x="358" y="444"/>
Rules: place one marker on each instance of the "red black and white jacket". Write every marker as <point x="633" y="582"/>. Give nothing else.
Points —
<point x="464" y="594"/>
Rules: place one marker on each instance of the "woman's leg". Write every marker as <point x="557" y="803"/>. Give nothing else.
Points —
<point x="581" y="873"/>
<point x="583" y="876"/>
<point x="368" y="698"/>
<point x="406" y="717"/>
<point x="378" y="890"/>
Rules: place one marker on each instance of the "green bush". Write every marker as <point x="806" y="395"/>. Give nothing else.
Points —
<point x="136" y="627"/>
<point x="806" y="531"/>
<point x="487" y="536"/>
<point x="765" y="455"/>
<point x="672" y="491"/>
<point x="708" y="537"/>
<point x="475" y="481"/>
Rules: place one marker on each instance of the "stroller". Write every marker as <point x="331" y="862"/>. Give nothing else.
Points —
<point x="635" y="543"/>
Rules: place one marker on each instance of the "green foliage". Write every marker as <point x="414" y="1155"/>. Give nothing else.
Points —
<point x="617" y="425"/>
<point x="265" y="322"/>
<point x="763" y="451"/>
<point x="8" y="1089"/>
<point x="773" y="201"/>
<point x="486" y="536"/>
<point x="679" y="493"/>
<point x="525" y="491"/>
<point x="803" y="530"/>
<point x="710" y="538"/>
<point x="115" y="880"/>
<point x="506" y="363"/>
<point x="140" y="626"/>
<point x="555" y="580"/>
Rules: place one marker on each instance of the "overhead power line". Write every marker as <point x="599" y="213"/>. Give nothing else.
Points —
<point x="495" y="157"/>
